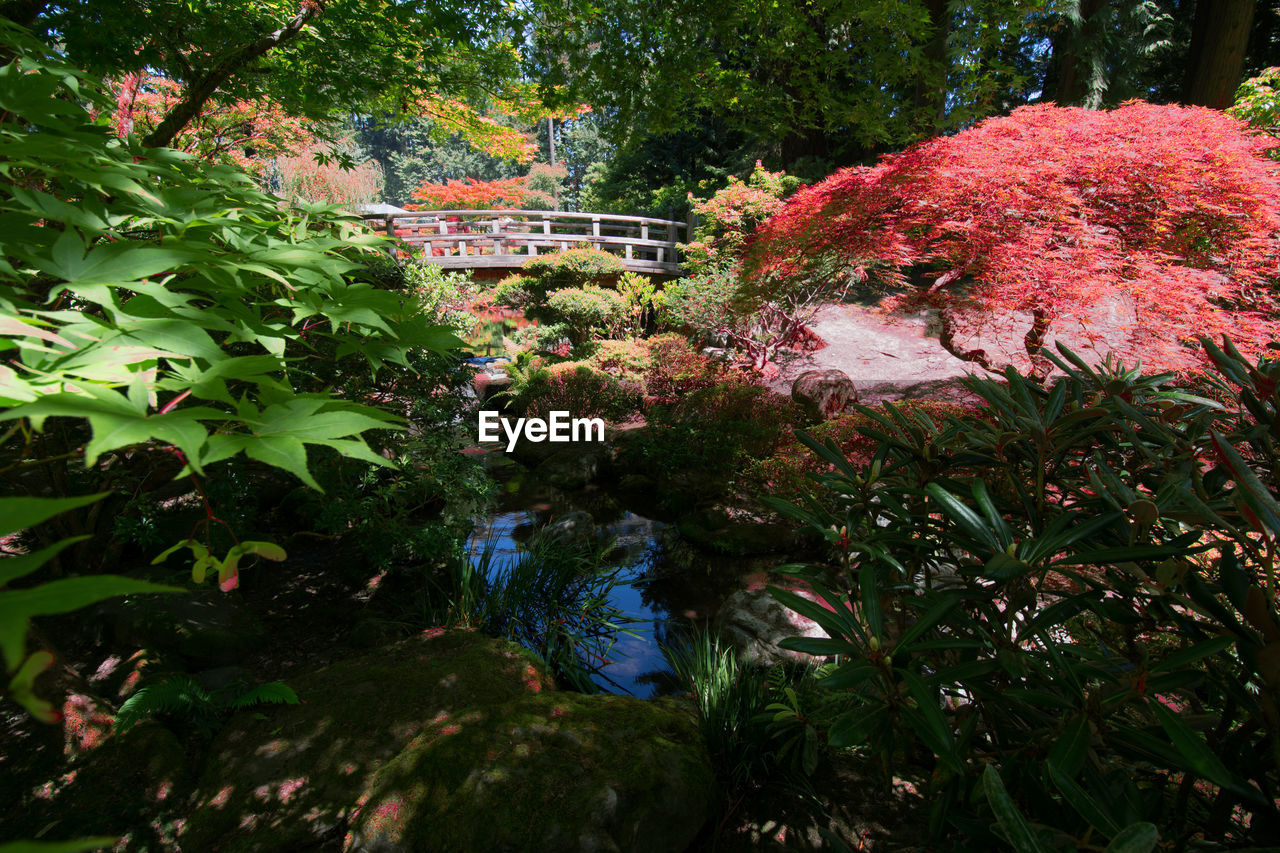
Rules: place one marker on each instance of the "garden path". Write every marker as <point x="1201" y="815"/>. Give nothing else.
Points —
<point x="887" y="358"/>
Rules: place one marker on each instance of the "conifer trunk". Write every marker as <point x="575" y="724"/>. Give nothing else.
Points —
<point x="1219" y="39"/>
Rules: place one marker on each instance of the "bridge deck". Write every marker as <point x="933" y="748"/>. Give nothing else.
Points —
<point x="505" y="239"/>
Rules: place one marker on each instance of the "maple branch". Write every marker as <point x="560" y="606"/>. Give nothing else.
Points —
<point x="946" y="278"/>
<point x="946" y="337"/>
<point x="196" y="95"/>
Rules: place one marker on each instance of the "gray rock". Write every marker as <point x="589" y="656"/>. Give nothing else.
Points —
<point x="824" y="394"/>
<point x="755" y="622"/>
<point x="574" y="526"/>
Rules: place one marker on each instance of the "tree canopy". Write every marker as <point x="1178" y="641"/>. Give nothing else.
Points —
<point x="314" y="58"/>
<point x="1171" y="213"/>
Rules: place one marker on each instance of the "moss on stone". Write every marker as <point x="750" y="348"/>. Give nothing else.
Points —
<point x="290" y="775"/>
<point x="560" y="771"/>
<point x="133" y="785"/>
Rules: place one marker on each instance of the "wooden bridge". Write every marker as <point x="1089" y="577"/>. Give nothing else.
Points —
<point x="505" y="239"/>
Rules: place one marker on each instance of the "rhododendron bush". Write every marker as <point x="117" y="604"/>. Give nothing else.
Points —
<point x="1135" y="228"/>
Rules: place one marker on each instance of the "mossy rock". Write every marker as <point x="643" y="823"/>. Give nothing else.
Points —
<point x="130" y="786"/>
<point x="546" y="772"/>
<point x="290" y="776"/>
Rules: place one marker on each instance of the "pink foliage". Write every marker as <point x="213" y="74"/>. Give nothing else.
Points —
<point x="1169" y="214"/>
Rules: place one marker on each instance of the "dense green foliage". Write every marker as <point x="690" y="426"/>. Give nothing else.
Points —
<point x="1074" y="585"/>
<point x="315" y="59"/>
<point x="716" y="302"/>
<point x="154" y="306"/>
<point x="174" y="297"/>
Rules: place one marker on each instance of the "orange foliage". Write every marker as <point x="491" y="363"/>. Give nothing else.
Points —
<point x="470" y="194"/>
<point x="247" y="134"/>
<point x="1165" y="217"/>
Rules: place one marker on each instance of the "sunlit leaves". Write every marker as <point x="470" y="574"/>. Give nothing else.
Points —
<point x="167" y="303"/>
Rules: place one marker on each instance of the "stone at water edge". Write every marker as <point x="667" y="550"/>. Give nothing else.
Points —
<point x="574" y="526"/>
<point x="824" y="394"/>
<point x="489" y="386"/>
<point x="755" y="622"/>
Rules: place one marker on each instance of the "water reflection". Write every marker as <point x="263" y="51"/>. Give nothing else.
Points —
<point x="636" y="665"/>
<point x="666" y="584"/>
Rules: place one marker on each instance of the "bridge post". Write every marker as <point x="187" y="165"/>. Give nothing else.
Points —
<point x="393" y="247"/>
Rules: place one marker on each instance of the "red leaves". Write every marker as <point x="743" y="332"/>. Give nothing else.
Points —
<point x="1158" y="221"/>
<point x="470" y="194"/>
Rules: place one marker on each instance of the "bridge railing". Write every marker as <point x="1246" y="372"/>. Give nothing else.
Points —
<point x="507" y="238"/>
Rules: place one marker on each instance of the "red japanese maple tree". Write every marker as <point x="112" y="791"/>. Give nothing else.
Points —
<point x="1136" y="228"/>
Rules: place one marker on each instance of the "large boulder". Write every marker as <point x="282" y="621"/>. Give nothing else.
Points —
<point x="824" y="394"/>
<point x="755" y="623"/>
<point x="451" y="741"/>
<point x="289" y="776"/>
<point x="549" y="772"/>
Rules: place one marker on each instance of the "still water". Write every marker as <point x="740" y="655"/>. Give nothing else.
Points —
<point x="664" y="584"/>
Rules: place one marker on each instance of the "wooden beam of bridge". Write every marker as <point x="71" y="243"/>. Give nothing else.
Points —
<point x="495" y="239"/>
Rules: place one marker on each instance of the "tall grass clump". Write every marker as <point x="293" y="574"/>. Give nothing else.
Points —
<point x="553" y="598"/>
<point x="731" y="699"/>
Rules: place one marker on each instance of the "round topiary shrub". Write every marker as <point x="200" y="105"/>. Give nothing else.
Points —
<point x="572" y="268"/>
<point x="585" y="393"/>
<point x="586" y="311"/>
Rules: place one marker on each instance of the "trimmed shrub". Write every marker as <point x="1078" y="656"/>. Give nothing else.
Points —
<point x="572" y="268"/>
<point x="628" y="360"/>
<point x="574" y="387"/>
<point x="784" y="473"/>
<point x="676" y="368"/>
<point x="586" y="311"/>
<point x="700" y="441"/>
<point x="514" y="291"/>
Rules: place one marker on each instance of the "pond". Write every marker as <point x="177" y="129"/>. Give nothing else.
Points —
<point x="665" y="584"/>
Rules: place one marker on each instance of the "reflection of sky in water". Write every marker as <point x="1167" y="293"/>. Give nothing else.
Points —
<point x="634" y="660"/>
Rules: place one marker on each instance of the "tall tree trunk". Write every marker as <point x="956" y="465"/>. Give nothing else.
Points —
<point x="1072" y="63"/>
<point x="930" y="94"/>
<point x="198" y="92"/>
<point x="1219" y="38"/>
<point x="1034" y="340"/>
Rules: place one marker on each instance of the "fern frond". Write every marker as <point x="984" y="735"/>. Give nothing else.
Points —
<point x="273" y="691"/>
<point x="180" y="695"/>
